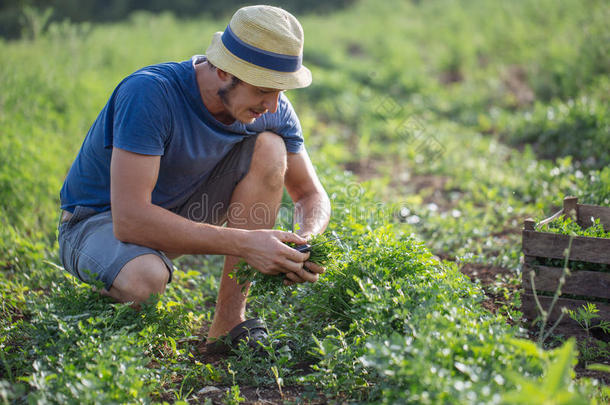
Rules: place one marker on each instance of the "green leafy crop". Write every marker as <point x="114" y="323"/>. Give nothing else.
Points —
<point x="320" y="254"/>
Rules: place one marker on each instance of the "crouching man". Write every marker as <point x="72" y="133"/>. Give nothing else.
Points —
<point x="181" y="149"/>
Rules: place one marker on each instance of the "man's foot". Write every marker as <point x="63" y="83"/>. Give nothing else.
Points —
<point x="253" y="332"/>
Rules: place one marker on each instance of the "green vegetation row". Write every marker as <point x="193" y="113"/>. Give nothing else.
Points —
<point x="426" y="99"/>
<point x="387" y="323"/>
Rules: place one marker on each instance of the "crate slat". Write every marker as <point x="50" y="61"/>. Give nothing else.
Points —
<point x="585" y="212"/>
<point x="530" y="311"/>
<point x="593" y="284"/>
<point x="580" y="282"/>
<point x="551" y="245"/>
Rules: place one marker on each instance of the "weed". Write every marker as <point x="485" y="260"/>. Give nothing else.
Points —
<point x="591" y="348"/>
<point x="585" y="315"/>
<point x="233" y="396"/>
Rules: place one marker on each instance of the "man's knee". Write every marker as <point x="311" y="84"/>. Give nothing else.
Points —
<point x="140" y="278"/>
<point x="269" y="159"/>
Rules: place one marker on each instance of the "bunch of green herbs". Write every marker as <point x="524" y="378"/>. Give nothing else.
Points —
<point x="320" y="254"/>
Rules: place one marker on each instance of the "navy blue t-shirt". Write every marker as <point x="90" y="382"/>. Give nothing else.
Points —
<point x="158" y="111"/>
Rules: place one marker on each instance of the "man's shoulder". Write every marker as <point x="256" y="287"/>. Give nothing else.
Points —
<point x="165" y="69"/>
<point x="162" y="75"/>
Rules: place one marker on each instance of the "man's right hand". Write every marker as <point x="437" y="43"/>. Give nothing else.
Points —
<point x="266" y="251"/>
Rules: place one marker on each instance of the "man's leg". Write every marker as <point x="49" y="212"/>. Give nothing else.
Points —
<point x="89" y="250"/>
<point x="254" y="205"/>
<point x="138" y="279"/>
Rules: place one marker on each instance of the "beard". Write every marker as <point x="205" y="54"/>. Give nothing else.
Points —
<point x="224" y="93"/>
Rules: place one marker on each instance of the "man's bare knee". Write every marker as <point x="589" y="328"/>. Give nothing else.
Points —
<point x="270" y="145"/>
<point x="140" y="278"/>
<point x="269" y="159"/>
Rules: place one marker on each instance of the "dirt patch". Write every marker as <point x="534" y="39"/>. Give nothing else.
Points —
<point x="486" y="274"/>
<point x="431" y="187"/>
<point x="252" y="395"/>
<point x="259" y="395"/>
<point x="355" y="49"/>
<point x="364" y="169"/>
<point x="451" y="76"/>
<point x="425" y="182"/>
<point x="515" y="81"/>
<point x="603" y="378"/>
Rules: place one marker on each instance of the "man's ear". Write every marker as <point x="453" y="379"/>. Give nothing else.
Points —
<point x="223" y="76"/>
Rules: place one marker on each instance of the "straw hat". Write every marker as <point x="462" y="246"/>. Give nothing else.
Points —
<point x="263" y="46"/>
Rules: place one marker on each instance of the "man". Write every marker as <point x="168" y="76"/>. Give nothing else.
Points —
<point x="180" y="149"/>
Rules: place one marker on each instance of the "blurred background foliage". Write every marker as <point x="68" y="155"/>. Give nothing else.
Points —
<point x="15" y="15"/>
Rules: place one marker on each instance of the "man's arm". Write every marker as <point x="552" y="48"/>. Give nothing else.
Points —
<point x="312" y="205"/>
<point x="136" y="220"/>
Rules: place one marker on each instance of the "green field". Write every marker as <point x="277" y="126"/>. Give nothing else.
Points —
<point x="437" y="127"/>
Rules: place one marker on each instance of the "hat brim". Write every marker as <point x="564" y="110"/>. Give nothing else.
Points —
<point x="255" y="75"/>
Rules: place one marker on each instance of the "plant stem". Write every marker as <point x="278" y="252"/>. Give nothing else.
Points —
<point x="546" y="314"/>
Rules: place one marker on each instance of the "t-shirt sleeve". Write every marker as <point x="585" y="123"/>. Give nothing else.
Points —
<point x="288" y="126"/>
<point x="141" y="116"/>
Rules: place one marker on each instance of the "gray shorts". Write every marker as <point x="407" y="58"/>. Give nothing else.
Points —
<point x="89" y="250"/>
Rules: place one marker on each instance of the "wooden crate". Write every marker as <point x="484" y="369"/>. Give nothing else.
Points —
<point x="589" y="286"/>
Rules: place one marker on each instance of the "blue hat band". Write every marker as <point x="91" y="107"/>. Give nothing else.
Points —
<point x="260" y="57"/>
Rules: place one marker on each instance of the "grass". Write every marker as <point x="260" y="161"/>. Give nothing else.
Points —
<point x="465" y="117"/>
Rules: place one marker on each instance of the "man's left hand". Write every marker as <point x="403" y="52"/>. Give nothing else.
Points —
<point x="293" y="278"/>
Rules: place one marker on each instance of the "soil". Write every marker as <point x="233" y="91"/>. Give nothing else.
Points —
<point x="516" y="82"/>
<point x="485" y="274"/>
<point x="364" y="169"/>
<point x="258" y="395"/>
<point x="451" y="76"/>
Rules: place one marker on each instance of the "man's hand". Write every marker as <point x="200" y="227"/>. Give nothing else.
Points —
<point x="314" y="270"/>
<point x="310" y="267"/>
<point x="267" y="252"/>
